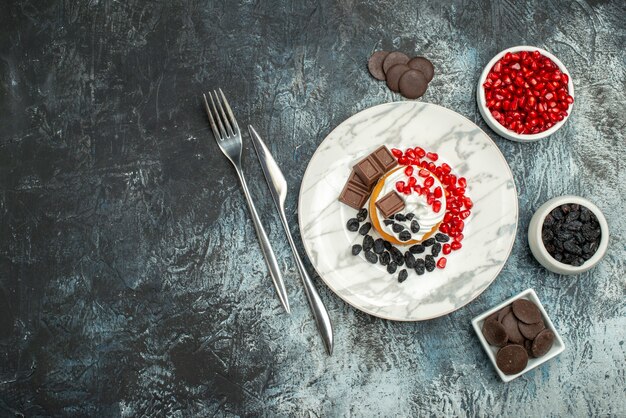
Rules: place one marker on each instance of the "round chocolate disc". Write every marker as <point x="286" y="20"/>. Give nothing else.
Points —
<point x="504" y="312"/>
<point x="394" y="58"/>
<point x="413" y="84"/>
<point x="492" y="316"/>
<point x="394" y="74"/>
<point x="542" y="343"/>
<point x="530" y="331"/>
<point x="509" y="322"/>
<point x="494" y="333"/>
<point x="526" y="311"/>
<point x="423" y="65"/>
<point x="512" y="359"/>
<point x="375" y="64"/>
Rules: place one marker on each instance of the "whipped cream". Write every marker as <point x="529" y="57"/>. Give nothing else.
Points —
<point x="413" y="203"/>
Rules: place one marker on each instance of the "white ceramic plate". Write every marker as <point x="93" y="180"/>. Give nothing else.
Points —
<point x="489" y="232"/>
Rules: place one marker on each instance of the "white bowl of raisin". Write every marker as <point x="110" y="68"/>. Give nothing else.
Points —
<point x="568" y="235"/>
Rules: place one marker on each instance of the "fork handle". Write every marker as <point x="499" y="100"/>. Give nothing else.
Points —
<point x="266" y="248"/>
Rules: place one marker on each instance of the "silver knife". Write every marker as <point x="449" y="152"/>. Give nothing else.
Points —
<point x="278" y="187"/>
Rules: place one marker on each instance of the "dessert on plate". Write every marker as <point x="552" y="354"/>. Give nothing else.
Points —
<point x="411" y="209"/>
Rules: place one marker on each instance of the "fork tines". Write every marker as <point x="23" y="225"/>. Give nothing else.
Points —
<point x="222" y="123"/>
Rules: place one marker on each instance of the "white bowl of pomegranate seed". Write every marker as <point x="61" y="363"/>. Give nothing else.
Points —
<point x="525" y="94"/>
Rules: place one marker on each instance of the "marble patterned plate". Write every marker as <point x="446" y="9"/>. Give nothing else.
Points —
<point x="489" y="232"/>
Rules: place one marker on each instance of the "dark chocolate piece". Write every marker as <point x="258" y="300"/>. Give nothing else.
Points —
<point x="512" y="359"/>
<point x="372" y="167"/>
<point x="390" y="204"/>
<point x="375" y="64"/>
<point x="355" y="193"/>
<point x="413" y="84"/>
<point x="526" y="311"/>
<point x="542" y="343"/>
<point x="394" y="74"/>
<point x="424" y="65"/>
<point x="394" y="58"/>
<point x="494" y="332"/>
<point x="530" y="331"/>
<point x="504" y="312"/>
<point x="509" y="322"/>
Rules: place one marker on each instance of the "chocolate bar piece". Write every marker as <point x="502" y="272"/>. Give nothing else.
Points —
<point x="355" y="193"/>
<point x="372" y="167"/>
<point x="390" y="204"/>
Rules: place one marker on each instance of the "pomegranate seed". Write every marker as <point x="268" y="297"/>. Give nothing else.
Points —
<point x="420" y="152"/>
<point x="456" y="245"/>
<point x="423" y="173"/>
<point x="437" y="206"/>
<point x="464" y="214"/>
<point x="400" y="186"/>
<point x="462" y="182"/>
<point x="446" y="249"/>
<point x="396" y="152"/>
<point x="437" y="192"/>
<point x="408" y="171"/>
<point x="403" y="160"/>
<point x="410" y="154"/>
<point x="459" y="237"/>
<point x="430" y="199"/>
<point x="429" y="181"/>
<point x="432" y="156"/>
<point x="444" y="228"/>
<point x="459" y="191"/>
<point x="407" y="190"/>
<point x="412" y="181"/>
<point x="417" y="189"/>
<point x="468" y="202"/>
<point x="424" y="191"/>
<point x="441" y="263"/>
<point x="447" y="217"/>
<point x="446" y="168"/>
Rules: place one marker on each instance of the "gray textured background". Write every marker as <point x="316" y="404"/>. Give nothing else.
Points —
<point x="131" y="281"/>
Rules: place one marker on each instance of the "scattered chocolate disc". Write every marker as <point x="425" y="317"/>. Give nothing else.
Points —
<point x="510" y="325"/>
<point x="493" y="316"/>
<point x="394" y="58"/>
<point x="504" y="312"/>
<point x="413" y="84"/>
<point x="530" y="331"/>
<point x="542" y="343"/>
<point x="375" y="65"/>
<point x="423" y="65"/>
<point x="494" y="333"/>
<point x="393" y="75"/>
<point x="526" y="311"/>
<point x="512" y="359"/>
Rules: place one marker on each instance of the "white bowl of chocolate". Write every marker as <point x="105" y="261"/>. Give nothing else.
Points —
<point x="568" y="235"/>
<point x="518" y="335"/>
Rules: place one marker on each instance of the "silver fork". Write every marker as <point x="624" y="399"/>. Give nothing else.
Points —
<point x="228" y="137"/>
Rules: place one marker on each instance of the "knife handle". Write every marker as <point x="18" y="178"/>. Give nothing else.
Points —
<point x="320" y="313"/>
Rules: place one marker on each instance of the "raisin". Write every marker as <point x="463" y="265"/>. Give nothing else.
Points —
<point x="572" y="216"/>
<point x="361" y="215"/>
<point x="565" y="209"/>
<point x="384" y="258"/>
<point x="409" y="216"/>
<point x="402" y="275"/>
<point x="397" y="228"/>
<point x="436" y="248"/>
<point x="573" y="225"/>
<point x="371" y="257"/>
<point x="417" y="248"/>
<point x="387" y="245"/>
<point x="441" y="237"/>
<point x="379" y="247"/>
<point x="548" y="221"/>
<point x="585" y="214"/>
<point x="409" y="260"/>
<point x="368" y="243"/>
<point x="365" y="228"/>
<point x="558" y="256"/>
<point x="397" y="256"/>
<point x="563" y="235"/>
<point x="428" y="242"/>
<point x="557" y="214"/>
<point x="578" y="262"/>
<point x="400" y="217"/>
<point x="419" y="266"/>
<point x="547" y="235"/>
<point x="429" y="263"/>
<point x="404" y="235"/>
<point x="356" y="249"/>
<point x="392" y="267"/>
<point x="352" y="224"/>
<point x="415" y="226"/>
<point x="590" y="232"/>
<point x="388" y="222"/>
<point x="571" y="247"/>
<point x="575" y="207"/>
